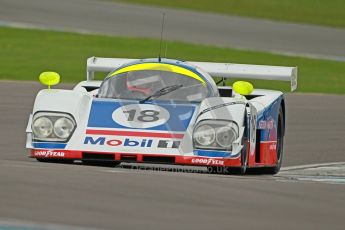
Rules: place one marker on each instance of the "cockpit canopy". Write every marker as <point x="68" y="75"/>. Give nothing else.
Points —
<point x="139" y="81"/>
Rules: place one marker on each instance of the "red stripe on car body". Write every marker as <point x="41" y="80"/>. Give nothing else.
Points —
<point x="134" y="133"/>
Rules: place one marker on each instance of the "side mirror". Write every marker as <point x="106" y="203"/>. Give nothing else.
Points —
<point x="243" y="87"/>
<point x="49" y="78"/>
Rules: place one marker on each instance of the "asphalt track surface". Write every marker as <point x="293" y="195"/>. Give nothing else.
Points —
<point x="107" y="17"/>
<point x="69" y="196"/>
<point x="58" y="196"/>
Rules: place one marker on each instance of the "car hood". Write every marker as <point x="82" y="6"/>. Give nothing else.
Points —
<point x="149" y="116"/>
<point x="150" y="127"/>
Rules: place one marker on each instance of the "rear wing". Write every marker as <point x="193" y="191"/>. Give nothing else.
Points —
<point x="225" y="70"/>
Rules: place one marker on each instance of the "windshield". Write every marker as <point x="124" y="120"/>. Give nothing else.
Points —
<point x="144" y="83"/>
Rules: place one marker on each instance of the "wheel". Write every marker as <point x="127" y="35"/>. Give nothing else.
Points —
<point x="57" y="161"/>
<point x="280" y="144"/>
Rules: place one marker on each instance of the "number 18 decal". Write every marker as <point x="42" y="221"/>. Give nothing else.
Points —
<point x="140" y="116"/>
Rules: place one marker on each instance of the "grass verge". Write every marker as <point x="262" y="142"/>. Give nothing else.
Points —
<point x="24" y="53"/>
<point x="321" y="12"/>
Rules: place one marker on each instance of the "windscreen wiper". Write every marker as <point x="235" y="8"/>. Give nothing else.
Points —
<point x="161" y="92"/>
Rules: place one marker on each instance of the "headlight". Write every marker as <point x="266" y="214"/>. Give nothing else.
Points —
<point x="204" y="135"/>
<point x="42" y="127"/>
<point x="226" y="136"/>
<point x="215" y="134"/>
<point x="63" y="127"/>
<point x="52" y="126"/>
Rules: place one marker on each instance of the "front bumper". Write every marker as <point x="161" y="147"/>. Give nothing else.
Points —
<point x="135" y="158"/>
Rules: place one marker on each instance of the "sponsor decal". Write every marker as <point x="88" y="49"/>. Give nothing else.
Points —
<point x="270" y="124"/>
<point x="140" y="116"/>
<point x="131" y="142"/>
<point x="207" y="161"/>
<point x="262" y="124"/>
<point x="120" y="114"/>
<point x="266" y="124"/>
<point x="48" y="153"/>
<point x="273" y="146"/>
<point x="168" y="144"/>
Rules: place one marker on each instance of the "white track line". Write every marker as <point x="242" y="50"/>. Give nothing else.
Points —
<point x="289" y="168"/>
<point x="10" y="223"/>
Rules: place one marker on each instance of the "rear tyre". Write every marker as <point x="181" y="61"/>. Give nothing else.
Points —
<point x="280" y="144"/>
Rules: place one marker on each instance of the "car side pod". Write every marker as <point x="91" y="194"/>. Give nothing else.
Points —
<point x="49" y="79"/>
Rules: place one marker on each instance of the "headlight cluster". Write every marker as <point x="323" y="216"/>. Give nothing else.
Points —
<point x="215" y="134"/>
<point x="52" y="126"/>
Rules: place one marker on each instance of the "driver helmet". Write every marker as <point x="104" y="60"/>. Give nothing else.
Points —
<point x="142" y="81"/>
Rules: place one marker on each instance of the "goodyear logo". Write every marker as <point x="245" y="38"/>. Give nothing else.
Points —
<point x="48" y="153"/>
<point x="207" y="161"/>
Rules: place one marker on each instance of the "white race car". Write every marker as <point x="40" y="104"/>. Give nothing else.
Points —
<point x="163" y="111"/>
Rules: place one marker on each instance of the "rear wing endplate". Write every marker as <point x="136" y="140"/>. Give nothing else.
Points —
<point x="225" y="70"/>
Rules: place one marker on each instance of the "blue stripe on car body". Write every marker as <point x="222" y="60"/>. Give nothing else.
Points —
<point x="102" y="109"/>
<point x="211" y="153"/>
<point x="49" y="145"/>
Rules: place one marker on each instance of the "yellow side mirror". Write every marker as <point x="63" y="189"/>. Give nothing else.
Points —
<point x="243" y="87"/>
<point x="49" y="78"/>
